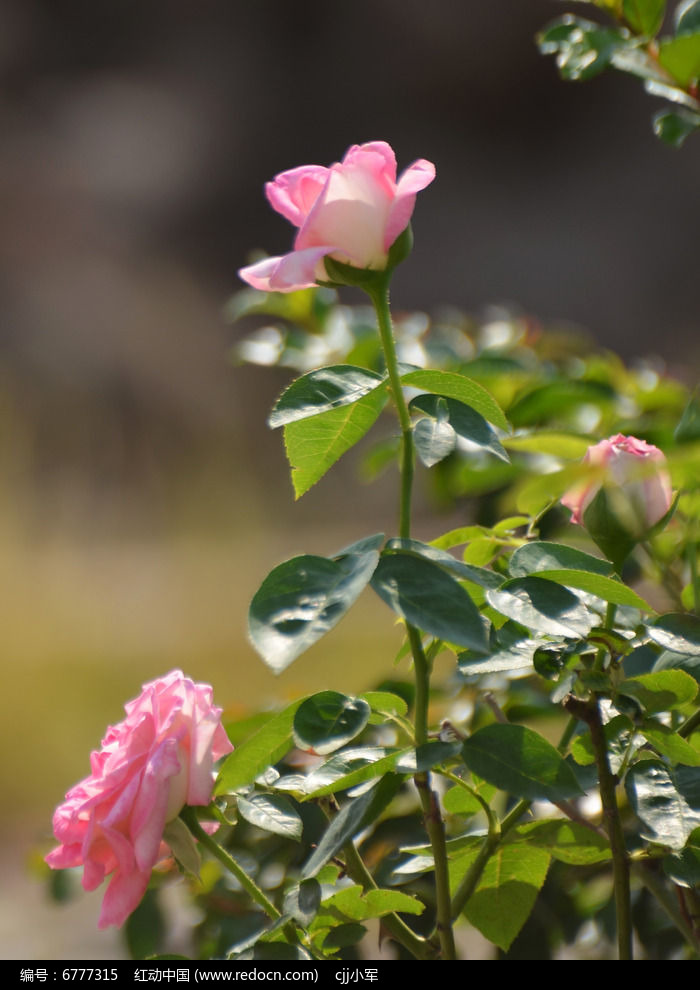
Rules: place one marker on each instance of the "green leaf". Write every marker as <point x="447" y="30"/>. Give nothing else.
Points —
<point x="145" y="928"/>
<point x="261" y="750"/>
<point x="677" y="632"/>
<point x="385" y="703"/>
<point x="454" y="386"/>
<point x="680" y="57"/>
<point x="517" y="656"/>
<point x="468" y="572"/>
<point x="582" y="746"/>
<point x="673" y="127"/>
<point x="273" y="813"/>
<point x="459" y="801"/>
<point x="542" y="606"/>
<point x="328" y="720"/>
<point x="342" y="936"/>
<point x="420" y="592"/>
<point x="507" y="891"/>
<point x="661" y="690"/>
<point x="542" y="556"/>
<point x="609" y="589"/>
<point x="684" y="867"/>
<point x="667" y="801"/>
<point x="687" y="17"/>
<point x="521" y="762"/>
<point x="644" y="16"/>
<point x="322" y="390"/>
<point x="350" y="768"/>
<point x="352" y="903"/>
<point x="305" y="597"/>
<point x="463" y="420"/>
<point x="427" y="756"/>
<point x="434" y="439"/>
<point x="567" y="446"/>
<point x="303" y="901"/>
<point x="313" y="445"/>
<point x="669" y="743"/>
<point x="568" y="842"/>
<point x="688" y="428"/>
<point x="183" y="846"/>
<point x="676" y="661"/>
<point x="352" y="818"/>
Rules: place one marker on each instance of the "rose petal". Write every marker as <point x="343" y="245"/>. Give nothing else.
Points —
<point x="288" y="273"/>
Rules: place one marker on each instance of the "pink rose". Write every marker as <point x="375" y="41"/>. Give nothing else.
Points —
<point x="353" y="211"/>
<point x="632" y="468"/>
<point x="158" y="759"/>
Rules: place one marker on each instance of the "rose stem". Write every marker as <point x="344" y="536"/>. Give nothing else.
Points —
<point x="189" y="816"/>
<point x="379" y="294"/>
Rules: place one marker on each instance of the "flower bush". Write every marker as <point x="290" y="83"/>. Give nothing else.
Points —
<point x="425" y="809"/>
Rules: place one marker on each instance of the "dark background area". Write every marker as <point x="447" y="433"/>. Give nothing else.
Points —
<point x="142" y="499"/>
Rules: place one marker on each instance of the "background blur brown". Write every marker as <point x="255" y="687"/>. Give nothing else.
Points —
<point x="142" y="498"/>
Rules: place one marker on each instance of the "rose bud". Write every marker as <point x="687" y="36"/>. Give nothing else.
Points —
<point x="627" y="495"/>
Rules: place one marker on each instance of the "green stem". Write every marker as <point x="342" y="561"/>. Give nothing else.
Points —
<point x="693" y="565"/>
<point x="690" y="724"/>
<point x="589" y="712"/>
<point x="610" y="613"/>
<point x="379" y="294"/>
<point x="189" y="817"/>
<point x="398" y="929"/>
<point x="380" y="299"/>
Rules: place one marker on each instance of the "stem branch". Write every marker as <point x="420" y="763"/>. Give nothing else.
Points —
<point x="589" y="712"/>
<point x="189" y="816"/>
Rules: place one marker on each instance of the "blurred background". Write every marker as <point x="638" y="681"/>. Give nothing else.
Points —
<point x="142" y="498"/>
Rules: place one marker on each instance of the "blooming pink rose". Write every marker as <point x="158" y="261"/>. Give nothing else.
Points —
<point x="634" y="468"/>
<point x="158" y="759"/>
<point x="353" y="211"/>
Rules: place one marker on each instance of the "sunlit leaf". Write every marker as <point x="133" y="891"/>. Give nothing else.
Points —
<point x="305" y="597"/>
<point x="661" y="690"/>
<point x="677" y="632"/>
<point x="543" y="556"/>
<point x="355" y="815"/>
<point x="328" y="720"/>
<point x="463" y="420"/>
<point x="322" y="390"/>
<point x="569" y="842"/>
<point x="260" y="751"/>
<point x="520" y="761"/>
<point x="542" y="606"/>
<point x="454" y="386"/>
<point x="680" y="57"/>
<point x="314" y="444"/>
<point x="271" y="812"/>
<point x="644" y="16"/>
<point x="423" y="594"/>
<point x="666" y="800"/>
<point x="507" y="890"/>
